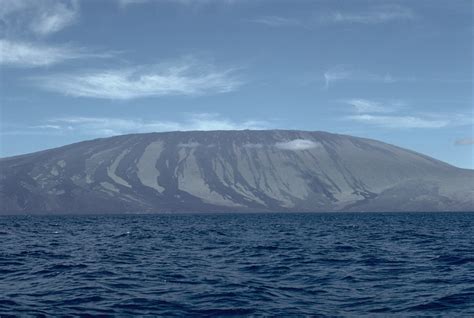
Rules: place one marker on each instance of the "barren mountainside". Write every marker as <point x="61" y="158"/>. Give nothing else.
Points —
<point x="231" y="171"/>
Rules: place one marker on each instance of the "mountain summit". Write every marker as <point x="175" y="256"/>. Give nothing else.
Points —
<point x="231" y="171"/>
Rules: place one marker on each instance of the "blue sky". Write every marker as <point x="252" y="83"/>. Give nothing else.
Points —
<point x="396" y="71"/>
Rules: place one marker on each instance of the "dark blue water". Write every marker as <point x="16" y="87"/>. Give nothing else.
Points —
<point x="243" y="265"/>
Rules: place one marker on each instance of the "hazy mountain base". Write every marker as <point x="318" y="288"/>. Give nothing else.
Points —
<point x="231" y="171"/>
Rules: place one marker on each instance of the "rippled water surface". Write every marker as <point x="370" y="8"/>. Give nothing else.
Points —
<point x="249" y="264"/>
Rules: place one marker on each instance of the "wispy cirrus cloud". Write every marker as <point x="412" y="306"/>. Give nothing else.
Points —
<point x="27" y="54"/>
<point x="105" y="126"/>
<point x="124" y="3"/>
<point x="40" y="17"/>
<point x="399" y="122"/>
<point x="30" y="55"/>
<point x="373" y="15"/>
<point x="341" y="73"/>
<point x="369" y="106"/>
<point x="368" y="16"/>
<point x="57" y="16"/>
<point x="464" y="141"/>
<point x="277" y="21"/>
<point x="29" y="20"/>
<point x="335" y="74"/>
<point x="348" y="73"/>
<point x="186" y="77"/>
<point x="397" y="115"/>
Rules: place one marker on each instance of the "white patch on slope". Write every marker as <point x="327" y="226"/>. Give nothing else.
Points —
<point x="95" y="161"/>
<point x="147" y="172"/>
<point x="54" y="171"/>
<point x="56" y="192"/>
<point x="297" y="144"/>
<point x="113" y="167"/>
<point x="109" y="186"/>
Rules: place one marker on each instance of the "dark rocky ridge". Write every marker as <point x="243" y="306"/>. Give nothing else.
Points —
<point x="223" y="171"/>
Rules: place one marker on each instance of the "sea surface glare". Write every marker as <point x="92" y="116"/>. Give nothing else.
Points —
<point x="360" y="264"/>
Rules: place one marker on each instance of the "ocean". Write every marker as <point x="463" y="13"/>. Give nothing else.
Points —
<point x="323" y="265"/>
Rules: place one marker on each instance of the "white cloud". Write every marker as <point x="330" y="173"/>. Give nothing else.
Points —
<point x="368" y="106"/>
<point x="103" y="126"/>
<point x="347" y="73"/>
<point x="27" y="54"/>
<point x="454" y="119"/>
<point x="27" y="19"/>
<point x="375" y="113"/>
<point x="183" y="78"/>
<point x="124" y="3"/>
<point x="207" y="121"/>
<point x="297" y="144"/>
<point x="24" y="54"/>
<point x="374" y="15"/>
<point x="55" y="18"/>
<point x="41" y="17"/>
<point x="47" y="126"/>
<point x="276" y="21"/>
<point x="464" y="141"/>
<point x="400" y="121"/>
<point x="336" y="74"/>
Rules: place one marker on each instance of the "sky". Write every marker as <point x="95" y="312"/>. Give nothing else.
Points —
<point x="396" y="71"/>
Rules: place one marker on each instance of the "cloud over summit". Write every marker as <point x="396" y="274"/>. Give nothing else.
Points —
<point x="109" y="126"/>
